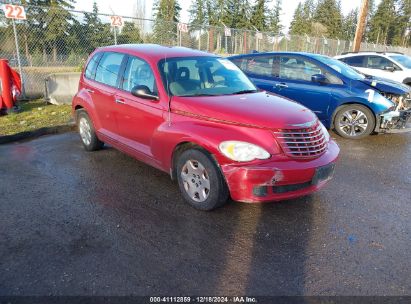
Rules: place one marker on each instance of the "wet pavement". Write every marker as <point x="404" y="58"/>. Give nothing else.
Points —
<point x="102" y="223"/>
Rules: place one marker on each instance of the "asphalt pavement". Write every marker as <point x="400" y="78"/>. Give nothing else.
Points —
<point x="79" y="223"/>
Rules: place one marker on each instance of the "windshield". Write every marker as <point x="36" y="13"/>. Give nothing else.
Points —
<point x="403" y="60"/>
<point x="340" y="67"/>
<point x="203" y="76"/>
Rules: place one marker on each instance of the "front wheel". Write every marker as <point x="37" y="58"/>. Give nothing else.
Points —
<point x="201" y="182"/>
<point x="354" y="121"/>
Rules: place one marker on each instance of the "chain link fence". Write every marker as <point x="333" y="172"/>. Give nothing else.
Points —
<point x="52" y="40"/>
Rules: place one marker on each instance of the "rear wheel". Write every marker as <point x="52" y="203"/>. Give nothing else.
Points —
<point x="87" y="134"/>
<point x="354" y="121"/>
<point x="201" y="182"/>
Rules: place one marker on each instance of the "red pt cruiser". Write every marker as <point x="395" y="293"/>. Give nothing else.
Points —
<point x="199" y="118"/>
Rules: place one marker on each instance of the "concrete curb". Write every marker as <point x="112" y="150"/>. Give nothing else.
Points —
<point x="37" y="133"/>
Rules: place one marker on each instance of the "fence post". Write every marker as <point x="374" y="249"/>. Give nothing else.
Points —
<point x="16" y="40"/>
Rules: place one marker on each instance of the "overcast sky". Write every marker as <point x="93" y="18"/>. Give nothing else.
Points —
<point x="125" y="8"/>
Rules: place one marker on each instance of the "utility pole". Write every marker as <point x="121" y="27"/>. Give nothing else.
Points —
<point x="362" y="20"/>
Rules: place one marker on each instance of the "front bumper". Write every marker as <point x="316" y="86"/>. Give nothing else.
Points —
<point x="280" y="178"/>
<point x="395" y="122"/>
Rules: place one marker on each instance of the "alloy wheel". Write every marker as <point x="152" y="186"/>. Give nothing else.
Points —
<point x="85" y="131"/>
<point x="195" y="180"/>
<point x="353" y="122"/>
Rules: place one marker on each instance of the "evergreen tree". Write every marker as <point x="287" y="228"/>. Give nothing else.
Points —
<point x="328" y="14"/>
<point x="96" y="33"/>
<point x="274" y="21"/>
<point x="258" y="16"/>
<point x="383" y="23"/>
<point x="198" y="13"/>
<point x="167" y="13"/>
<point x="130" y="33"/>
<point x="243" y="15"/>
<point x="58" y="20"/>
<point x="303" y="18"/>
<point x="350" y="25"/>
<point x="297" y="26"/>
<point x="404" y="24"/>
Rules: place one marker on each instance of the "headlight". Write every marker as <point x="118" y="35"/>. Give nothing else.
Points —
<point x="325" y="131"/>
<point x="242" y="151"/>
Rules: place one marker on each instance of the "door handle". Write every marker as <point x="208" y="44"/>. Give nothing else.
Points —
<point x="90" y="91"/>
<point x="120" y="101"/>
<point x="281" y="85"/>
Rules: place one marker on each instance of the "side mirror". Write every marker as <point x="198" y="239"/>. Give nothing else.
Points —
<point x="389" y="68"/>
<point x="143" y="91"/>
<point x="319" y="78"/>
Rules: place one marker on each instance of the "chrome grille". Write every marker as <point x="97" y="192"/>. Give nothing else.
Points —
<point x="303" y="143"/>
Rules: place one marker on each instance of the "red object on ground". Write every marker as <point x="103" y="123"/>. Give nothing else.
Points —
<point x="10" y="85"/>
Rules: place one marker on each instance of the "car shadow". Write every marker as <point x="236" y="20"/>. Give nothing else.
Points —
<point x="256" y="249"/>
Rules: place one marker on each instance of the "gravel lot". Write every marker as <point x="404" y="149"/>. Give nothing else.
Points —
<point x="102" y="223"/>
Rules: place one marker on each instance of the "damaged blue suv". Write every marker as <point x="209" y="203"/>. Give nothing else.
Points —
<point x="353" y="104"/>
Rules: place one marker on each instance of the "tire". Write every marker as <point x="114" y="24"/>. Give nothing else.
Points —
<point x="87" y="134"/>
<point x="347" y="125"/>
<point x="200" y="180"/>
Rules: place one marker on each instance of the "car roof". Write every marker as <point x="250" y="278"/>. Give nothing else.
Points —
<point x="153" y="52"/>
<point x="366" y="53"/>
<point x="276" y="53"/>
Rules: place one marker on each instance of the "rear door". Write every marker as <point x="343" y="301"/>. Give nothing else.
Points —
<point x="138" y="118"/>
<point x="259" y="69"/>
<point x="104" y="89"/>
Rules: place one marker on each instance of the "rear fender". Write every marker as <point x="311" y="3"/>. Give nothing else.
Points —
<point x="84" y="100"/>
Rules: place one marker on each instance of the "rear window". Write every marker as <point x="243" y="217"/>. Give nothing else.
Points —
<point x="108" y="68"/>
<point x="356" y="61"/>
<point x="260" y="65"/>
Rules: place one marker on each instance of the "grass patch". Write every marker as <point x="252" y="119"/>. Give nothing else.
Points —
<point x="34" y="115"/>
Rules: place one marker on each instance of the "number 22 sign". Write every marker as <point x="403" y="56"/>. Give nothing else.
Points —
<point x="14" y="11"/>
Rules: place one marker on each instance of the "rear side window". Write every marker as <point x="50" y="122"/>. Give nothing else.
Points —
<point x="91" y="66"/>
<point x="108" y="68"/>
<point x="259" y="65"/>
<point x="356" y="61"/>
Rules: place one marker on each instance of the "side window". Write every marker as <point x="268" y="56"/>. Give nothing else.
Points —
<point x="379" y="62"/>
<point x="356" y="61"/>
<point x="240" y="62"/>
<point x="109" y="68"/>
<point x="90" y="71"/>
<point x="296" y="68"/>
<point x="138" y="72"/>
<point x="259" y="65"/>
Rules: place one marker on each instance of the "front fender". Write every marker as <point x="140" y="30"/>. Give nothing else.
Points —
<point x="206" y="134"/>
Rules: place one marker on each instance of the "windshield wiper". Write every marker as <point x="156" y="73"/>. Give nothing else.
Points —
<point x="245" y="92"/>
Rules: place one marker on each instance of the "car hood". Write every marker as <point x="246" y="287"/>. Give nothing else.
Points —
<point x="259" y="109"/>
<point x="386" y="85"/>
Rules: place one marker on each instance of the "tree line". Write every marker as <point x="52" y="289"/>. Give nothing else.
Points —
<point x="388" y="23"/>
<point x="53" y="32"/>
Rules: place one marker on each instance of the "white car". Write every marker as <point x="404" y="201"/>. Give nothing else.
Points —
<point x="393" y="66"/>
